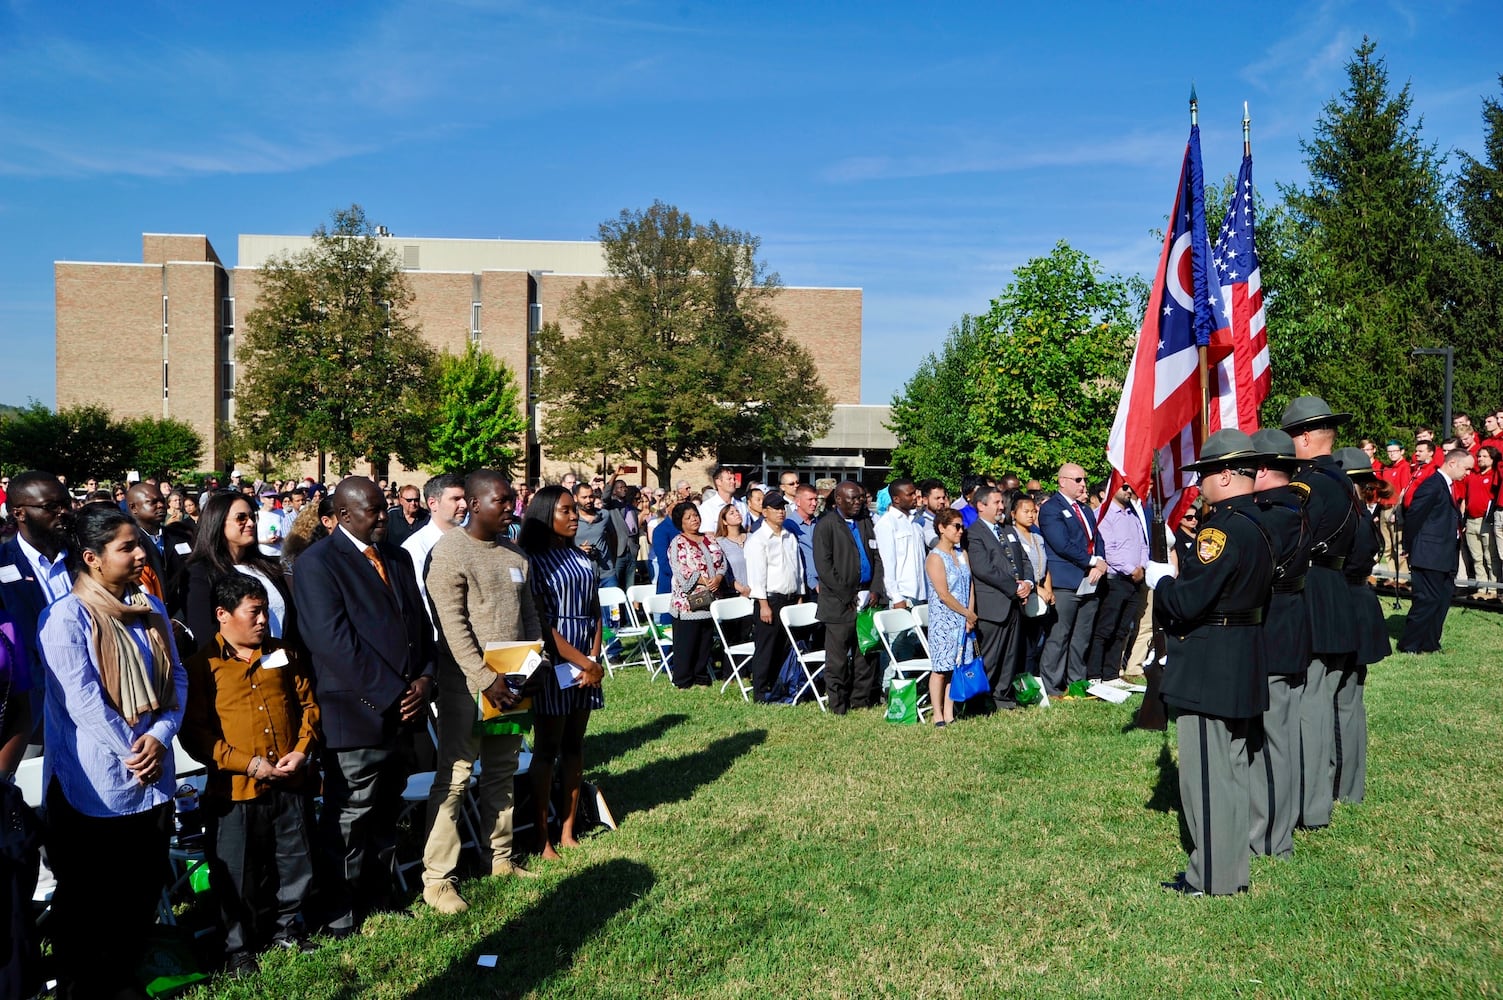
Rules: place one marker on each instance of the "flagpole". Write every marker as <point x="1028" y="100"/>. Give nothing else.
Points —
<point x="1205" y="372"/>
<point x="1246" y="131"/>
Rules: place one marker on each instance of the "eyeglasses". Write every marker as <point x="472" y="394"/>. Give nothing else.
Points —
<point x="51" y="507"/>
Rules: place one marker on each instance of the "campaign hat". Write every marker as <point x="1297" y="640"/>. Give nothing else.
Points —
<point x="1227" y="447"/>
<point x="1309" y="412"/>
<point x="1354" y="462"/>
<point x="1278" y="446"/>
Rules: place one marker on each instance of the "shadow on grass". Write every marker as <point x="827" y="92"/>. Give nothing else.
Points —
<point x="541" y="942"/>
<point x="602" y="748"/>
<point x="677" y="778"/>
<point x="1164" y="797"/>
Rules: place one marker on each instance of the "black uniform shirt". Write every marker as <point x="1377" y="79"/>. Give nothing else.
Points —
<point x="1281" y="510"/>
<point x="1334" y="517"/>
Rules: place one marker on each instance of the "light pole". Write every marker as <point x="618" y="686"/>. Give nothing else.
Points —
<point x="1450" y="355"/>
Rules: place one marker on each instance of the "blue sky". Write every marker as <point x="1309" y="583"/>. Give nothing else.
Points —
<point x="917" y="151"/>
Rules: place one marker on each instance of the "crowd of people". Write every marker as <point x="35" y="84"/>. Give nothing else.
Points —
<point x="299" y="641"/>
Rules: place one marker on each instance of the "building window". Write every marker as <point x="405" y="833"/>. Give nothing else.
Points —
<point x="229" y="314"/>
<point x="475" y="322"/>
<point x="164" y="379"/>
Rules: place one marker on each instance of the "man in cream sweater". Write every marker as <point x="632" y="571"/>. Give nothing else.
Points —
<point x="478" y="590"/>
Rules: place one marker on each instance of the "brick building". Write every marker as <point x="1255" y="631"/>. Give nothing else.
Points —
<point x="170" y="320"/>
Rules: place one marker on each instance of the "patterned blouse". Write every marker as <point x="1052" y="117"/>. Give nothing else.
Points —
<point x="692" y="565"/>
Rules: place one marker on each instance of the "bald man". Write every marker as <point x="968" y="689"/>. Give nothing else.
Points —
<point x="1075" y="555"/>
<point x="373" y="661"/>
<point x="166" y="547"/>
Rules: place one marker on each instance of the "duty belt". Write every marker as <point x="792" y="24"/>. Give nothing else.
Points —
<point x="1328" y="561"/>
<point x="1293" y="585"/>
<point x="1252" y="616"/>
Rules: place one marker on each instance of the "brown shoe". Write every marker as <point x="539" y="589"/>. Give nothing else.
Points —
<point x="501" y="869"/>
<point x="444" y="897"/>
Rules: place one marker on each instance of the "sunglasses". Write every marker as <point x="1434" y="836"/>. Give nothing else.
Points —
<point x="1072" y="479"/>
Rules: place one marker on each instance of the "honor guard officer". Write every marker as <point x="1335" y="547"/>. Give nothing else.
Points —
<point x="1334" y="517"/>
<point x="1350" y="744"/>
<point x="1216" y="677"/>
<point x="1275" y="752"/>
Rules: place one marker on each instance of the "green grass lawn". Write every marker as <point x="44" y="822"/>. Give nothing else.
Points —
<point x="777" y="852"/>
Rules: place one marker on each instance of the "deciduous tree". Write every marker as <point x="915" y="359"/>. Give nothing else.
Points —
<point x="679" y="352"/>
<point x="931" y="416"/>
<point x="330" y="360"/>
<point x="163" y="447"/>
<point x="477" y="420"/>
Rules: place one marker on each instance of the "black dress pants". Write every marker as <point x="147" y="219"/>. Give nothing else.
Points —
<point x="1121" y="604"/>
<point x="1001" y="647"/>
<point x="1427" y="615"/>
<point x="693" y="639"/>
<point x="771" y="642"/>
<point x="851" y="676"/>
<point x="358" y="831"/>
<point x="261" y="865"/>
<point x="110" y="872"/>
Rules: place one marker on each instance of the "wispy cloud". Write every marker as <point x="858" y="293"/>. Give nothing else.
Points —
<point x="1309" y="53"/>
<point x="1134" y="149"/>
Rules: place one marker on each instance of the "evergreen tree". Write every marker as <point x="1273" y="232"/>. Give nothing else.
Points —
<point x="1364" y="268"/>
<point x="1479" y="205"/>
<point x="931" y="415"/>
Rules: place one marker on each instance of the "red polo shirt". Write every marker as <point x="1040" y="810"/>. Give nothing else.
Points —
<point x="1481" y="488"/>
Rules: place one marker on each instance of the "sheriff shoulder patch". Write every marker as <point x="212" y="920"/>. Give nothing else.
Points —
<point x="1209" y="544"/>
<point x="1303" y="489"/>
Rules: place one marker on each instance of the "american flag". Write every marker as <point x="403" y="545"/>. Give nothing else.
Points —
<point x="1240" y="376"/>
<point x="1161" y="397"/>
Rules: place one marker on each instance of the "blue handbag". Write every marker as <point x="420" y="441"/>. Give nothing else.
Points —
<point x="968" y="680"/>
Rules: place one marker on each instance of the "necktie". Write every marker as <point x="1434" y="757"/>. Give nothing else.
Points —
<point x="1090" y="537"/>
<point x="370" y="553"/>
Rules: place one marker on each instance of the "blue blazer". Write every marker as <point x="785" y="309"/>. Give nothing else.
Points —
<point x="25" y="600"/>
<point x="367" y="642"/>
<point x="1069" y="554"/>
<point x="1432" y="526"/>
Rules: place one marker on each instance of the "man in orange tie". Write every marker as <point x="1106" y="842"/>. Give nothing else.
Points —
<point x="372" y="653"/>
<point x="167" y="547"/>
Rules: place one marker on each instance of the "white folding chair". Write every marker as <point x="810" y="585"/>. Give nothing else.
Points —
<point x="812" y="661"/>
<point x="659" y="606"/>
<point x="618" y="611"/>
<point x="921" y="619"/>
<point x="890" y="625"/>
<point x="639" y="596"/>
<point x="738" y="655"/>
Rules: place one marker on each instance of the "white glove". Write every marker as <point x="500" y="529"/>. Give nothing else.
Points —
<point x="1155" y="572"/>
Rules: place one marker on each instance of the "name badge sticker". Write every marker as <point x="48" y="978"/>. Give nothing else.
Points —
<point x="9" y="574"/>
<point x="516" y="576"/>
<point x="871" y="544"/>
<point x="275" y="661"/>
<point x="182" y="548"/>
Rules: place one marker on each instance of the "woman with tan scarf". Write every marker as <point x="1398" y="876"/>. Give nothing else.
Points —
<point x="115" y="695"/>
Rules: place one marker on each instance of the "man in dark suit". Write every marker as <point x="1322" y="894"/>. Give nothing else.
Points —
<point x="848" y="562"/>
<point x="1069" y="528"/>
<point x="364" y="623"/>
<point x="1001" y="578"/>
<point x="1432" y="529"/>
<point x="167" y="547"/>
<point x="33" y="574"/>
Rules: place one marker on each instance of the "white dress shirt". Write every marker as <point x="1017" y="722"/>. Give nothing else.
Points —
<point x="901" y="543"/>
<point x="56" y="581"/>
<point x="418" y="545"/>
<point x="772" y="563"/>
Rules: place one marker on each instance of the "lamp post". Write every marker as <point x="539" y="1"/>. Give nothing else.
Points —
<point x="1450" y="355"/>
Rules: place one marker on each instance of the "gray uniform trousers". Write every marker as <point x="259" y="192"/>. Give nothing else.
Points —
<point x="1275" y="771"/>
<point x="1317" y="733"/>
<point x="1349" y="752"/>
<point x="1214" y="796"/>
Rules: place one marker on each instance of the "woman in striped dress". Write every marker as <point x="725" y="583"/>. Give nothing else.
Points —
<point x="564" y="587"/>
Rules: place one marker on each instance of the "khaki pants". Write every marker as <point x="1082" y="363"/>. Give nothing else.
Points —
<point x="1143" y="640"/>
<point x="1479" y="543"/>
<point x="458" y="748"/>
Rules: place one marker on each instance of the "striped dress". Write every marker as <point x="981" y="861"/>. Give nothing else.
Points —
<point x="564" y="587"/>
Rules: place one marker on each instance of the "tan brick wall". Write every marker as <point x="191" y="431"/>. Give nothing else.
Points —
<point x="159" y="248"/>
<point x="194" y="292"/>
<point x="441" y="306"/>
<point x="827" y="322"/>
<point x="503" y="320"/>
<point x="109" y="337"/>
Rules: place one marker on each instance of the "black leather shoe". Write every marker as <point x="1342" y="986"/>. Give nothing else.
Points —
<point x="1179" y="885"/>
<point x="242" y="966"/>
